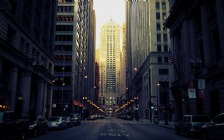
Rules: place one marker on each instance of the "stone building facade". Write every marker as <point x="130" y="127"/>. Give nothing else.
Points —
<point x="197" y="34"/>
<point x="26" y="62"/>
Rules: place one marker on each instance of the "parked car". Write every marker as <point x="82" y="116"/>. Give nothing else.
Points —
<point x="36" y="126"/>
<point x="214" y="130"/>
<point x="11" y="127"/>
<point x="191" y="125"/>
<point x="56" y="123"/>
<point x="101" y="116"/>
<point x="76" y="118"/>
<point x="91" y="117"/>
<point x="68" y="121"/>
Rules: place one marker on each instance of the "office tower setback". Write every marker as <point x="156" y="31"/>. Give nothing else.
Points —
<point x="109" y="65"/>
<point x="147" y="52"/>
<point x="74" y="55"/>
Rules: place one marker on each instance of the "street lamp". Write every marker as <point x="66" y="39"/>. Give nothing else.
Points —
<point x="84" y="98"/>
<point x="59" y="82"/>
<point x="158" y="92"/>
<point x="136" y="106"/>
<point x="136" y="69"/>
<point x="165" y="85"/>
<point x="62" y="97"/>
<point x="34" y="109"/>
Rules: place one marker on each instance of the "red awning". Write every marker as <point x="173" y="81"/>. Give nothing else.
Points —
<point x="77" y="103"/>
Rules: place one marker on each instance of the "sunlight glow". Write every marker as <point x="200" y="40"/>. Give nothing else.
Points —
<point x="106" y="10"/>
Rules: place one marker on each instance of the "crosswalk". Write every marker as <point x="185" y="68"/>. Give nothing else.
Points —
<point x="117" y="121"/>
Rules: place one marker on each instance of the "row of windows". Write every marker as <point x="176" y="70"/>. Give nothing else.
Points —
<point x="60" y="80"/>
<point x="65" y="18"/>
<point x="159" y="27"/>
<point x="62" y="69"/>
<point x="65" y="9"/>
<point x="160" y="60"/>
<point x="63" y="38"/>
<point x="29" y="50"/>
<point x="158" y="5"/>
<point x="63" y="47"/>
<point x="65" y="1"/>
<point x="159" y="39"/>
<point x="64" y="27"/>
<point x="163" y="72"/>
<point x="158" y="16"/>
<point x="102" y="101"/>
<point x="62" y="58"/>
<point x="165" y="48"/>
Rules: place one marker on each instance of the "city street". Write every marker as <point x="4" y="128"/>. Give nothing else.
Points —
<point x="113" y="129"/>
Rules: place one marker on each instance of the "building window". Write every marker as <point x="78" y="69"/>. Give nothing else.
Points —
<point x="157" y="15"/>
<point x="158" y="37"/>
<point x="63" y="47"/>
<point x="160" y="60"/>
<point x="163" y="71"/>
<point x="63" y="38"/>
<point x="157" y="6"/>
<point x="67" y="9"/>
<point x="158" y="48"/>
<point x="65" y="18"/>
<point x="163" y="5"/>
<point x="165" y="48"/>
<point x="103" y="100"/>
<point x="64" y="27"/>
<point x="158" y="27"/>
<point x="165" y="37"/>
<point x="164" y="16"/>
<point x="100" y="101"/>
<point x="166" y="60"/>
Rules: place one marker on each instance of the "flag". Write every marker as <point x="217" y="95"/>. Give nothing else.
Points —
<point x="171" y="60"/>
<point x="170" y="57"/>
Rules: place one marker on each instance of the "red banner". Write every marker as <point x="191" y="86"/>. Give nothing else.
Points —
<point x="201" y="93"/>
<point x="77" y="103"/>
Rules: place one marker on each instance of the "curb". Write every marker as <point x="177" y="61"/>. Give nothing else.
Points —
<point x="165" y="126"/>
<point x="169" y="126"/>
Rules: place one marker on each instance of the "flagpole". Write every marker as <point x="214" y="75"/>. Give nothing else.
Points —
<point x="171" y="61"/>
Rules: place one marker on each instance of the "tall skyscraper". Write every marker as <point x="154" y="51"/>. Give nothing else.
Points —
<point x="109" y="65"/>
<point x="123" y="66"/>
<point x="74" y="55"/>
<point x="147" y="50"/>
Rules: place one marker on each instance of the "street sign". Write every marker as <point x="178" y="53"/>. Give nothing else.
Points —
<point x="191" y="93"/>
<point x="191" y="84"/>
<point x="201" y="83"/>
<point x="201" y="93"/>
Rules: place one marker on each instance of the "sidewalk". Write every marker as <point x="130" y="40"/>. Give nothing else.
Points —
<point x="170" y="125"/>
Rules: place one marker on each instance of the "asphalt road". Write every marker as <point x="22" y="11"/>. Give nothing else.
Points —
<point x="113" y="129"/>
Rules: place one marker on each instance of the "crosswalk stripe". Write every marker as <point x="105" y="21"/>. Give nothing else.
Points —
<point x="125" y="122"/>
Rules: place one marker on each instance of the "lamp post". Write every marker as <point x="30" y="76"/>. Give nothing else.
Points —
<point x="165" y="85"/>
<point x="36" y="68"/>
<point x="84" y="98"/>
<point x="136" y="106"/>
<point x="56" y="82"/>
<point x="150" y="108"/>
<point x="158" y="92"/>
<point x="62" y="98"/>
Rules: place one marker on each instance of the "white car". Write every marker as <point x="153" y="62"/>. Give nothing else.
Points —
<point x="56" y="123"/>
